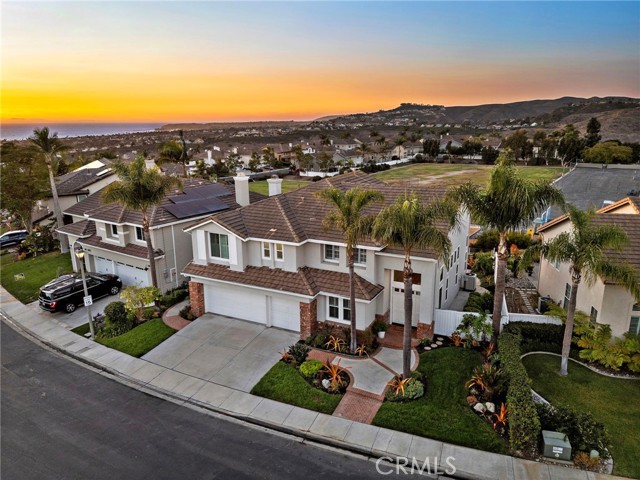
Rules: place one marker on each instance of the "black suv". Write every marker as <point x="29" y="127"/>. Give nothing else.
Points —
<point x="66" y="292"/>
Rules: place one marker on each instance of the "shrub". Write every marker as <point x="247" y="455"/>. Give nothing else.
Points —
<point x="405" y="389"/>
<point x="186" y="313"/>
<point x="116" y="312"/>
<point x="310" y="368"/>
<point x="489" y="240"/>
<point x="475" y="328"/>
<point x="173" y="296"/>
<point x="117" y="320"/>
<point x="489" y="380"/>
<point x="479" y="302"/>
<point x="584" y="461"/>
<point x="524" y="424"/>
<point x="584" y="432"/>
<point x="137" y="298"/>
<point x="379" y="327"/>
<point x="299" y="352"/>
<point x="39" y="241"/>
<point x="537" y="337"/>
<point x="483" y="264"/>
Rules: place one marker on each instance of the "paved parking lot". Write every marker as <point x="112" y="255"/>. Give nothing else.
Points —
<point x="223" y="350"/>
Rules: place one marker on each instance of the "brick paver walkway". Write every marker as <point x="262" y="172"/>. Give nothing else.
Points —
<point x="358" y="405"/>
<point x="172" y="318"/>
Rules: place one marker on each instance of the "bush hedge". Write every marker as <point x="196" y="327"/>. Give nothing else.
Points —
<point x="310" y="368"/>
<point x="524" y="424"/>
<point x="479" y="302"/>
<point x="537" y="337"/>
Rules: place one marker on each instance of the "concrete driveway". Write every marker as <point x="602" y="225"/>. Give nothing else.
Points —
<point x="223" y="350"/>
<point x="77" y="318"/>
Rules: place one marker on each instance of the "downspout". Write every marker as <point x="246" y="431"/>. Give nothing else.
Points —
<point x="175" y="261"/>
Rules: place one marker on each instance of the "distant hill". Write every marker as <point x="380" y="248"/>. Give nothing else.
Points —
<point x="225" y="125"/>
<point x="622" y="124"/>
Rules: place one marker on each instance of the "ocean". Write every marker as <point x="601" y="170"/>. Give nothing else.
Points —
<point x="25" y="130"/>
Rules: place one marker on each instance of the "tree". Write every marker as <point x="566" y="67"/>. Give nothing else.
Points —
<point x="362" y="149"/>
<point x="139" y="189"/>
<point x="431" y="147"/>
<point x="519" y="144"/>
<point x="586" y="248"/>
<point x="608" y="152"/>
<point x="347" y="216"/>
<point x="172" y="151"/>
<point x="269" y="157"/>
<point x="23" y="180"/>
<point x="410" y="224"/>
<point x="49" y="146"/>
<point x="489" y="155"/>
<point x="472" y="146"/>
<point x="510" y="202"/>
<point x="570" y="145"/>
<point x="593" y="132"/>
<point x="254" y="162"/>
<point x="325" y="161"/>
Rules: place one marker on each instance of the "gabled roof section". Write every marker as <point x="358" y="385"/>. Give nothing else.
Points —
<point x="74" y="183"/>
<point x="81" y="229"/>
<point x="634" y="202"/>
<point x="169" y="210"/>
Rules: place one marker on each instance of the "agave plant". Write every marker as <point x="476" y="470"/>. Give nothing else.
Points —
<point x="334" y="373"/>
<point x="457" y="340"/>
<point x="286" y="357"/>
<point x="397" y="384"/>
<point x="500" y="418"/>
<point x="361" y="350"/>
<point x="489" y="350"/>
<point x="487" y="379"/>
<point x="335" y="343"/>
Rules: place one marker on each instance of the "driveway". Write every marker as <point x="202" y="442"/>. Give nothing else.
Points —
<point x="223" y="350"/>
<point x="77" y="318"/>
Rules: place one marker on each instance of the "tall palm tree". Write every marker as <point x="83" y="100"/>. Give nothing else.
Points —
<point x="509" y="202"/>
<point x="362" y="149"/>
<point x="346" y="215"/>
<point x="50" y="146"/>
<point x="139" y="189"/>
<point x="410" y="224"/>
<point x="585" y="249"/>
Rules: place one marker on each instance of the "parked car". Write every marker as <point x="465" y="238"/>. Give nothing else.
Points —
<point x="13" y="237"/>
<point x="65" y="293"/>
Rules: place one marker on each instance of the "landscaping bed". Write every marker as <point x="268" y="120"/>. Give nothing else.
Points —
<point x="443" y="412"/>
<point x="611" y="401"/>
<point x="37" y="271"/>
<point x="336" y="339"/>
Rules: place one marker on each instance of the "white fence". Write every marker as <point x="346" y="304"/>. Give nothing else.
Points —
<point x="447" y="321"/>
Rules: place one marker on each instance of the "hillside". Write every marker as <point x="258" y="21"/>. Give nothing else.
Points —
<point x="621" y="124"/>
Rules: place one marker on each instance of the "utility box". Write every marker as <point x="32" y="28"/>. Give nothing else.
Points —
<point x="469" y="282"/>
<point x="556" y="445"/>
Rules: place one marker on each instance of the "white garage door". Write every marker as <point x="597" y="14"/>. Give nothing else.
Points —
<point x="103" y="265"/>
<point x="237" y="303"/>
<point x="131" y="275"/>
<point x="285" y="313"/>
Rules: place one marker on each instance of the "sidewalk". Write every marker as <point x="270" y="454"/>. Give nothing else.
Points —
<point x="356" y="437"/>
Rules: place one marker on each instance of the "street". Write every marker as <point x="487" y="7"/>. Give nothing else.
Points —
<point x="61" y="420"/>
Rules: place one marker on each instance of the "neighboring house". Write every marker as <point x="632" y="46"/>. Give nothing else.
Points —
<point x="273" y="263"/>
<point x="72" y="188"/>
<point x="114" y="240"/>
<point x="605" y="302"/>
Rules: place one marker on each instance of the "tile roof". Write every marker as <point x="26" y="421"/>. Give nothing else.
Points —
<point x="84" y="228"/>
<point x="298" y="215"/>
<point x="631" y="225"/>
<point x="306" y="281"/>
<point x="74" y="183"/>
<point x="130" y="249"/>
<point x="94" y="207"/>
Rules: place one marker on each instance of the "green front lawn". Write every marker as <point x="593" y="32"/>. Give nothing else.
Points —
<point x="612" y="401"/>
<point x="37" y="271"/>
<point x="284" y="384"/>
<point x="287" y="186"/>
<point x="443" y="413"/>
<point x="138" y="341"/>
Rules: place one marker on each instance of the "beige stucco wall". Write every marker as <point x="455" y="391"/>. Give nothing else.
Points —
<point x="617" y="309"/>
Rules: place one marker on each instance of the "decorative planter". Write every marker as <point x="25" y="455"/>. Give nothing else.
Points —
<point x="381" y="334"/>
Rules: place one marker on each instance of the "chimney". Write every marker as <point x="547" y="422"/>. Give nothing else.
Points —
<point x="149" y="163"/>
<point x="242" y="189"/>
<point x="275" y="185"/>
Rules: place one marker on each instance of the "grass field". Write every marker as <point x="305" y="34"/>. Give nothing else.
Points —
<point x="37" y="271"/>
<point x="611" y="401"/>
<point x="445" y="174"/>
<point x="287" y="186"/>
<point x="443" y="413"/>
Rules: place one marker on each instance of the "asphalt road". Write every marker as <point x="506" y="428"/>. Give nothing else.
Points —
<point x="62" y="421"/>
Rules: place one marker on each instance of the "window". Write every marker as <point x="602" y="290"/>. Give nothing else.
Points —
<point x="440" y="298"/>
<point x="140" y="234"/>
<point x="219" y="245"/>
<point x="80" y="197"/>
<point x="331" y="253"/>
<point x="593" y="317"/>
<point x="279" y="251"/>
<point x="634" y="326"/>
<point x="339" y="309"/>
<point x="266" y="250"/>
<point x="636" y="307"/>
<point x="360" y="256"/>
<point x="112" y="231"/>
<point x="567" y="294"/>
<point x="555" y="264"/>
<point x="441" y="273"/>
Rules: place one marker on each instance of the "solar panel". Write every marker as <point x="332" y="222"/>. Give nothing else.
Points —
<point x="202" y="192"/>
<point x="198" y="206"/>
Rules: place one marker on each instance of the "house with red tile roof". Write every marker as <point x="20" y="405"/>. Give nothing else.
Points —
<point x="605" y="301"/>
<point x="274" y="263"/>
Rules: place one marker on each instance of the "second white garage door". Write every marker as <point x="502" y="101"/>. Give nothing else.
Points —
<point x="285" y="313"/>
<point x="131" y="275"/>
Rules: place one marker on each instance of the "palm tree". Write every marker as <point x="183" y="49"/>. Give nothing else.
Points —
<point x="509" y="202"/>
<point x="50" y="146"/>
<point x="410" y="224"/>
<point x="585" y="249"/>
<point x="362" y="149"/>
<point x="139" y="189"/>
<point x="346" y="215"/>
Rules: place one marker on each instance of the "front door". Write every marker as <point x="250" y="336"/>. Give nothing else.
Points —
<point x="397" y="298"/>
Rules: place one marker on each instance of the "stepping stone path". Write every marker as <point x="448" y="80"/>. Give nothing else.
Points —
<point x="524" y="294"/>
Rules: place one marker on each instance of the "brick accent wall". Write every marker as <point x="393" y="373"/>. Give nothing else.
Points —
<point x="308" y="318"/>
<point x="384" y="317"/>
<point x="425" y="330"/>
<point x="196" y="298"/>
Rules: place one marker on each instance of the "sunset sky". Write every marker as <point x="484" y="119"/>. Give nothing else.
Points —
<point x="216" y="61"/>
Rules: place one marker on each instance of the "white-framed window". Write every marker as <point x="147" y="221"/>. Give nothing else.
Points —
<point x="140" y="234"/>
<point x="219" y="245"/>
<point x="634" y="325"/>
<point x="331" y="253"/>
<point x="338" y="309"/>
<point x="80" y="197"/>
<point x="593" y="316"/>
<point x="360" y="256"/>
<point x="279" y="251"/>
<point x="112" y="231"/>
<point x="266" y="250"/>
<point x="567" y="295"/>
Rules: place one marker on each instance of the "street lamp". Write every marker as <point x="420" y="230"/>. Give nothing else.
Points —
<point x="77" y="249"/>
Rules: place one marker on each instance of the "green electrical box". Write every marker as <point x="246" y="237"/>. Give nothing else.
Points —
<point x="556" y="445"/>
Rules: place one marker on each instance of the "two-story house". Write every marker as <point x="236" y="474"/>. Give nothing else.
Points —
<point x="114" y="240"/>
<point x="274" y="263"/>
<point x="605" y="301"/>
